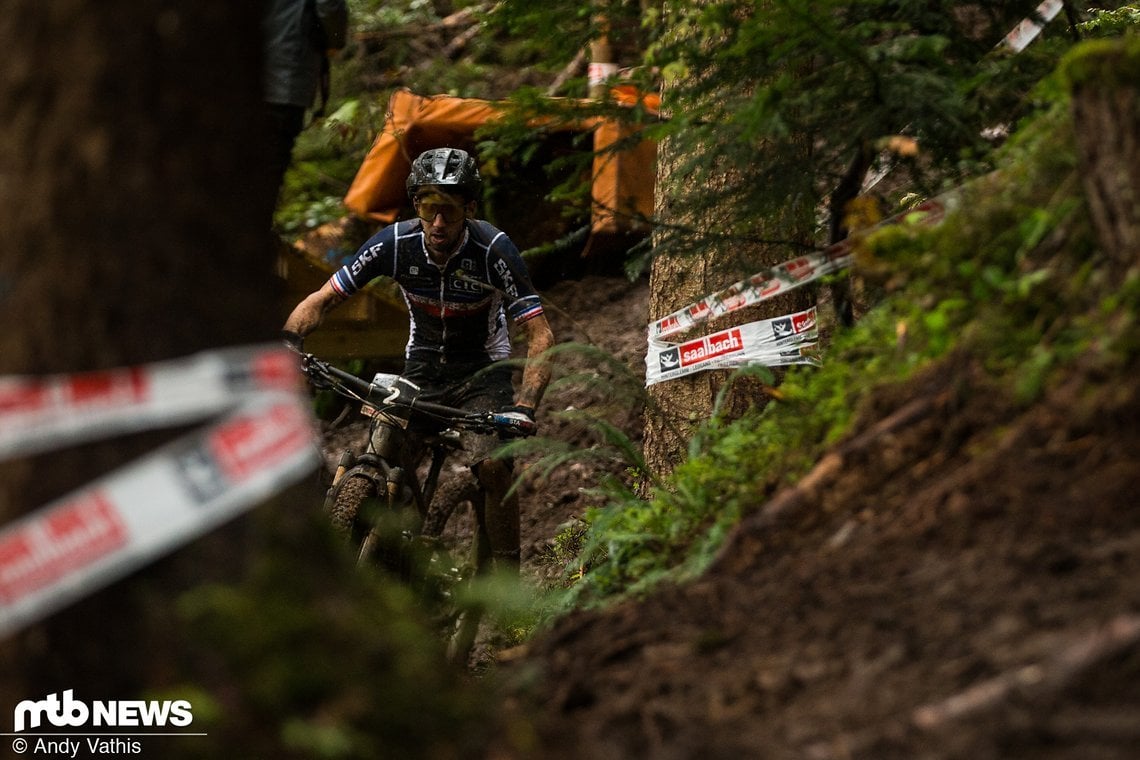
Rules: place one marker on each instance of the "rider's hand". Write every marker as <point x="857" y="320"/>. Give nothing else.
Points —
<point x="525" y="411"/>
<point x="524" y="415"/>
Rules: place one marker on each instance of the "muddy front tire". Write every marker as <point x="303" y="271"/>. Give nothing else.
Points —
<point x="349" y="496"/>
<point x="381" y="532"/>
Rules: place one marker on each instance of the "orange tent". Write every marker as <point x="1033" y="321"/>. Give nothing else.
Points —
<point x="622" y="182"/>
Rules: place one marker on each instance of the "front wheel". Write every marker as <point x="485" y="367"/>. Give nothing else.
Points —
<point x="349" y="495"/>
<point x="383" y="528"/>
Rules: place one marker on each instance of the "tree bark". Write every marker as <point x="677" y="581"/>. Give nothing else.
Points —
<point x="677" y="407"/>
<point x="132" y="202"/>
<point x="1106" y="117"/>
<point x="674" y="281"/>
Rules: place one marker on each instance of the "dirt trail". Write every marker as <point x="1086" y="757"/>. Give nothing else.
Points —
<point x="959" y="579"/>
<point x="960" y="582"/>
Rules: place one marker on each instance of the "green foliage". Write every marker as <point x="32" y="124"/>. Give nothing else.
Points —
<point x="566" y="549"/>
<point x="835" y="76"/>
<point x="589" y="434"/>
<point x="577" y="24"/>
<point x="1103" y="63"/>
<point x="1012" y="276"/>
<point x="317" y="659"/>
<point x="1112" y="22"/>
<point x="378" y="15"/>
<point x="511" y="611"/>
<point x="326" y="157"/>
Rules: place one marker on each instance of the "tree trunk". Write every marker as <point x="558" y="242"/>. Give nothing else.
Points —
<point x="1106" y="117"/>
<point x="674" y="281"/>
<point x="132" y="207"/>
<point x="678" y="406"/>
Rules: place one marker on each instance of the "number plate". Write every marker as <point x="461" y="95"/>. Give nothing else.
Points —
<point x="377" y="414"/>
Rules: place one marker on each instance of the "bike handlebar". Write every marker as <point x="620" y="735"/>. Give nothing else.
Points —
<point x="384" y="396"/>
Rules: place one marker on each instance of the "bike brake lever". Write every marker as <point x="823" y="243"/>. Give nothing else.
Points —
<point x="316" y="370"/>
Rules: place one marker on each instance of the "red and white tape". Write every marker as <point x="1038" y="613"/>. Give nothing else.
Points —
<point x="99" y="533"/>
<point x="1025" y="32"/>
<point x="773" y="342"/>
<point x="788" y="276"/>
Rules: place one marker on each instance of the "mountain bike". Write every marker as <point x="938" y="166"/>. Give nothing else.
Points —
<point x="377" y="499"/>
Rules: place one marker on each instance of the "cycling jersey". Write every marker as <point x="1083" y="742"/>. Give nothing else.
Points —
<point x="458" y="311"/>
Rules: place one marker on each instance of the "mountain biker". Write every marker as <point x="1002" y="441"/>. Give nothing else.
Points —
<point x="461" y="279"/>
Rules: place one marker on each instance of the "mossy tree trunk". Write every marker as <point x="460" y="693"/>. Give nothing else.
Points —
<point x="132" y="208"/>
<point x="1105" y="80"/>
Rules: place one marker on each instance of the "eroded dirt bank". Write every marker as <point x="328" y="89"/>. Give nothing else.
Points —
<point x="961" y="580"/>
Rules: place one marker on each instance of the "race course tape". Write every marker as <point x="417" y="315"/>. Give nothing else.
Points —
<point x="788" y="276"/>
<point x="773" y="342"/>
<point x="1025" y="32"/>
<point x="782" y="341"/>
<point x="97" y="534"/>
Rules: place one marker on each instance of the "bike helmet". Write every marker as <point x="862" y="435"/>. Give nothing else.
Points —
<point x="448" y="168"/>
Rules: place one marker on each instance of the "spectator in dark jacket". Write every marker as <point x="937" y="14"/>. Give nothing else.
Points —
<point x="299" y="36"/>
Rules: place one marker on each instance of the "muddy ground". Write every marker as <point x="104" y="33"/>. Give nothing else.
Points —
<point x="960" y="578"/>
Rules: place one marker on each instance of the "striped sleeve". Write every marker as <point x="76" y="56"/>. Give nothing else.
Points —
<point x="342" y="283"/>
<point x="525" y="308"/>
<point x="509" y="274"/>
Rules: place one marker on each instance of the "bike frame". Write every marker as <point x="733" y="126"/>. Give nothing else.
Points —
<point x="391" y="403"/>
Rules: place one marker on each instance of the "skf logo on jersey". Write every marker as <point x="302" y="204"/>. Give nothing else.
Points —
<point x="504" y="272"/>
<point x="70" y="712"/>
<point x="711" y="347"/>
<point x="368" y="255"/>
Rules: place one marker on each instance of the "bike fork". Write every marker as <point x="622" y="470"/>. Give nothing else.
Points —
<point x="368" y="546"/>
<point x="347" y="459"/>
